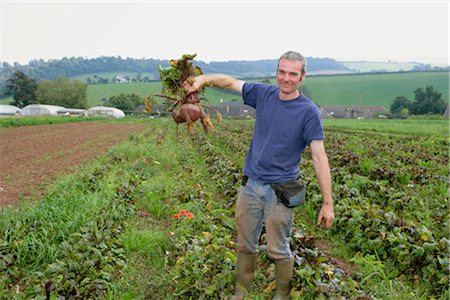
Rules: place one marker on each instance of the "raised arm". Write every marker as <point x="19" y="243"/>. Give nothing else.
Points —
<point x="216" y="80"/>
<point x="323" y="174"/>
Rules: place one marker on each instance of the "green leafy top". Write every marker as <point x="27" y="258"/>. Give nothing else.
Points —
<point x="172" y="79"/>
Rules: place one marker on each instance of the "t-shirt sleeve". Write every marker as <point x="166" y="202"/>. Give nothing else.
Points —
<point x="250" y="93"/>
<point x="313" y="127"/>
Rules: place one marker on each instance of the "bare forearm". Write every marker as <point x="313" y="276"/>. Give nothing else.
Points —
<point x="222" y="81"/>
<point x="322" y="169"/>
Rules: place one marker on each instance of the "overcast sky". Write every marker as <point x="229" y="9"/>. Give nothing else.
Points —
<point x="225" y="30"/>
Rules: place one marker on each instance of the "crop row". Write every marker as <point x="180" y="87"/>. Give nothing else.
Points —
<point x="391" y="198"/>
<point x="203" y="262"/>
<point x="390" y="195"/>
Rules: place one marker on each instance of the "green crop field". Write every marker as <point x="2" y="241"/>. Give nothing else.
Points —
<point x="411" y="127"/>
<point x="373" y="89"/>
<point x="153" y="218"/>
<point x="367" y="90"/>
<point x="393" y="66"/>
<point x="97" y="92"/>
<point x="376" y="89"/>
<point x="367" y="66"/>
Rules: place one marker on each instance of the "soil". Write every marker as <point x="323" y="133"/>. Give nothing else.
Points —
<point x="33" y="156"/>
<point x="325" y="247"/>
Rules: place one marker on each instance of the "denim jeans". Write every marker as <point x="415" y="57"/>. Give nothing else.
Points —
<point x="257" y="204"/>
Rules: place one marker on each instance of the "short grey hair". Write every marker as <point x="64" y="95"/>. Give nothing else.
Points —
<point x="293" y="55"/>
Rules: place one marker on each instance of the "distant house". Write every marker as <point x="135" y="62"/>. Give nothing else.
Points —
<point x="375" y="112"/>
<point x="334" y="111"/>
<point x="234" y="109"/>
<point x="121" y="79"/>
<point x="104" y="111"/>
<point x="353" y="112"/>
<point x="9" y="110"/>
<point x="41" y="110"/>
<point x="140" y="109"/>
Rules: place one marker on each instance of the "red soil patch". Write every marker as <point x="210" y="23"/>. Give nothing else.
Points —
<point x="33" y="156"/>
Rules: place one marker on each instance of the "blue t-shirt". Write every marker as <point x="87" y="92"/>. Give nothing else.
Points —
<point x="282" y="131"/>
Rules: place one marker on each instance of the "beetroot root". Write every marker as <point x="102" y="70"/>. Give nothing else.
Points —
<point x="190" y="113"/>
<point x="187" y="112"/>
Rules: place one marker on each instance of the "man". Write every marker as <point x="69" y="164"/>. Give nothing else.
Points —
<point x="286" y="122"/>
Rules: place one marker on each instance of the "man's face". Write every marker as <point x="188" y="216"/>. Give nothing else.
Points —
<point x="289" y="76"/>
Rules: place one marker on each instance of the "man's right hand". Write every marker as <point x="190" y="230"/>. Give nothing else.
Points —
<point x="215" y="80"/>
<point x="198" y="84"/>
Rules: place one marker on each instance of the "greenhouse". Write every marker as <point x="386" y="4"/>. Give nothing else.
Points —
<point x="41" y="110"/>
<point x="9" y="110"/>
<point x="104" y="111"/>
<point x="74" y="112"/>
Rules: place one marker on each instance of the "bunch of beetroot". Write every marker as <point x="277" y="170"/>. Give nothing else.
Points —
<point x="185" y="107"/>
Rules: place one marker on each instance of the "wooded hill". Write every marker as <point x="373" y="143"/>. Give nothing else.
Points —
<point x="76" y="66"/>
<point x="368" y="89"/>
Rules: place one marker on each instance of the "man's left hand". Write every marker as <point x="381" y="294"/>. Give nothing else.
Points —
<point x="326" y="216"/>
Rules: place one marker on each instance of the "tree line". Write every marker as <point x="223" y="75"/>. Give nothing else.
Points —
<point x="426" y="101"/>
<point x="61" y="91"/>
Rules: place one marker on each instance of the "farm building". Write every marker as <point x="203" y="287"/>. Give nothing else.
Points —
<point x="41" y="110"/>
<point x="234" y="109"/>
<point x="121" y="79"/>
<point x="104" y="111"/>
<point x="157" y="110"/>
<point x="353" y="112"/>
<point x="9" y="110"/>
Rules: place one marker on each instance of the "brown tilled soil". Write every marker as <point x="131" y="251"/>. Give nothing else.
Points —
<point x="33" y="156"/>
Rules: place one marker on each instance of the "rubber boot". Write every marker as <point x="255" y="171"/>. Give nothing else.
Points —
<point x="245" y="267"/>
<point x="283" y="274"/>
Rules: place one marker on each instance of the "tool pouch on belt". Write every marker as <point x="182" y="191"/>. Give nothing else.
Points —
<point x="291" y="193"/>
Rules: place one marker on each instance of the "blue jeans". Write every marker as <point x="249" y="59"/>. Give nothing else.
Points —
<point x="258" y="204"/>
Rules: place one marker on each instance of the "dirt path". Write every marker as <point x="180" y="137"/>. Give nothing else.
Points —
<point x="34" y="155"/>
